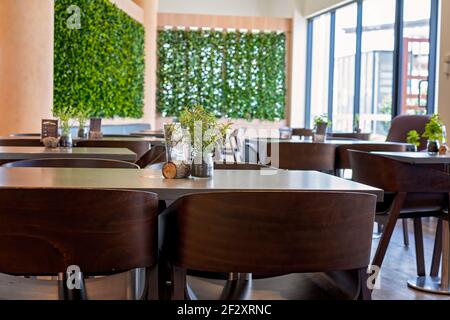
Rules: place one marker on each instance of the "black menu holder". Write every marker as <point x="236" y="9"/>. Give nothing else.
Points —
<point x="95" y="128"/>
<point x="49" y="133"/>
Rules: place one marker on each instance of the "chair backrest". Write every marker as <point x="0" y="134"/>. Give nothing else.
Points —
<point x="138" y="146"/>
<point x="269" y="232"/>
<point x="21" y="142"/>
<point x="401" y="125"/>
<point x="71" y="163"/>
<point x="237" y="143"/>
<point x="303" y="132"/>
<point x="303" y="156"/>
<point x="157" y="154"/>
<point x="342" y="157"/>
<point x="101" y="231"/>
<point x="394" y="176"/>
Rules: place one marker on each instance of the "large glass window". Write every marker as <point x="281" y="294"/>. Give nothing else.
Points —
<point x="320" y="65"/>
<point x="344" y="68"/>
<point x="361" y="52"/>
<point x="416" y="54"/>
<point x="377" y="66"/>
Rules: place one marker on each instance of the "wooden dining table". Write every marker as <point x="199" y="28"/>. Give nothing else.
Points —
<point x="8" y="154"/>
<point x="149" y="133"/>
<point x="429" y="284"/>
<point x="262" y="145"/>
<point x="153" y="181"/>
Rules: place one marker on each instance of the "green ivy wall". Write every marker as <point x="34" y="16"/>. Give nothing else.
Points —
<point x="237" y="75"/>
<point x="99" y="67"/>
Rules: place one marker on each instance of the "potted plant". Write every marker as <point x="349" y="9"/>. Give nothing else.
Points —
<point x="413" y="138"/>
<point x="204" y="133"/>
<point x="82" y="116"/>
<point x="64" y="115"/>
<point x="321" y="124"/>
<point x="434" y="133"/>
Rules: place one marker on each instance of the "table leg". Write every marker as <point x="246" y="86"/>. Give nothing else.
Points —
<point x="435" y="284"/>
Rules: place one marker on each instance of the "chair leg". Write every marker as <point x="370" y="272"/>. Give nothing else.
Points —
<point x="405" y="233"/>
<point x="437" y="251"/>
<point x="394" y="213"/>
<point x="420" y="255"/>
<point x="365" y="292"/>
<point x="179" y="283"/>
<point x="152" y="284"/>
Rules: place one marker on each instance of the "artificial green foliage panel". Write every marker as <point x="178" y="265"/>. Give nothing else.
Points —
<point x="99" y="67"/>
<point x="238" y="75"/>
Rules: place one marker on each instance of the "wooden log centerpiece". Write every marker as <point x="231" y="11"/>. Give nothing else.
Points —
<point x="176" y="170"/>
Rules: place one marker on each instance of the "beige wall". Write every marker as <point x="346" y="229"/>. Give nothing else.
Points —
<point x="26" y="64"/>
<point x="259" y="8"/>
<point x="444" y="80"/>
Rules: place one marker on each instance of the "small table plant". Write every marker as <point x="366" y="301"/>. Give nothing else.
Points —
<point x="434" y="132"/>
<point x="321" y="124"/>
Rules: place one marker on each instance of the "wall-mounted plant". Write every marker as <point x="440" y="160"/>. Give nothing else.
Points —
<point x="235" y="75"/>
<point x="413" y="138"/>
<point x="100" y="66"/>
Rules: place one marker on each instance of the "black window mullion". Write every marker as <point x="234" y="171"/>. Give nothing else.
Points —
<point x="309" y="61"/>
<point x="432" y="65"/>
<point x="357" y="89"/>
<point x="397" y="94"/>
<point x="331" y="64"/>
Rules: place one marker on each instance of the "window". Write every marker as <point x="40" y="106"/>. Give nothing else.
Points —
<point x="381" y="63"/>
<point x="377" y="66"/>
<point x="320" y="65"/>
<point x="344" y="68"/>
<point x="416" y="55"/>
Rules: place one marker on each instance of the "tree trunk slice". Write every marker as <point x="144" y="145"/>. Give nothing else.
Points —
<point x="176" y="170"/>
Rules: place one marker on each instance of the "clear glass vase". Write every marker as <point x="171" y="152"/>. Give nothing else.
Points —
<point x="175" y="143"/>
<point x="203" y="166"/>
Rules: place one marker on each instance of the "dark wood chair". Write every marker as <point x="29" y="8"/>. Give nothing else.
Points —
<point x="342" y="156"/>
<point x="157" y="154"/>
<point x="71" y="163"/>
<point x="411" y="192"/>
<point x="138" y="146"/>
<point x="228" y="232"/>
<point x="401" y="125"/>
<point x="103" y="232"/>
<point x="237" y="143"/>
<point x="343" y="163"/>
<point x="21" y="142"/>
<point x="303" y="156"/>
<point x="302" y="132"/>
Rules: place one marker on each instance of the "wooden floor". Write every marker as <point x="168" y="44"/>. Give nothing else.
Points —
<point x="398" y="267"/>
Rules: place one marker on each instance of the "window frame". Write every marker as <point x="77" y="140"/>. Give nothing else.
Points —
<point x="398" y="59"/>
